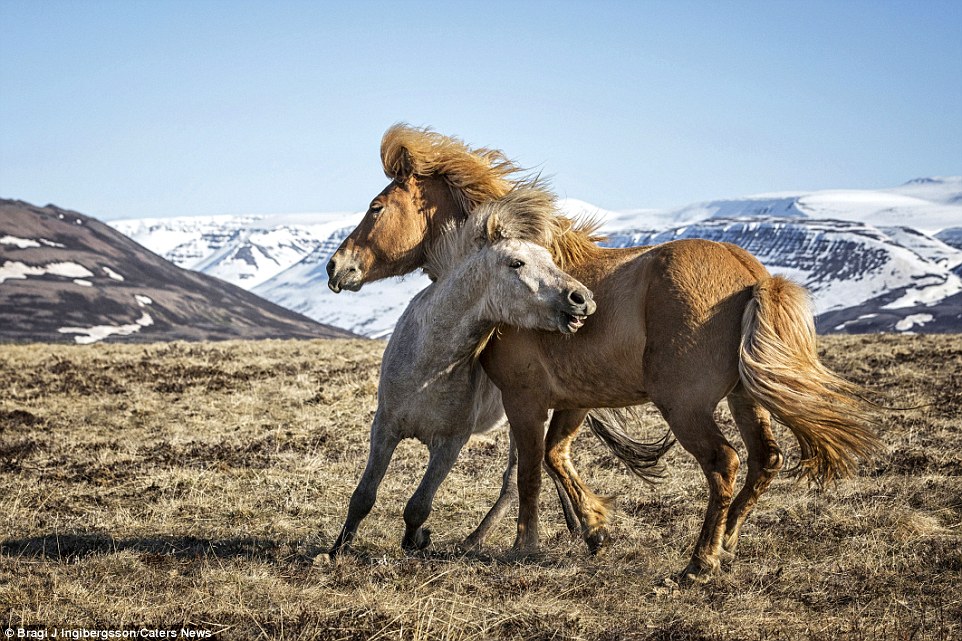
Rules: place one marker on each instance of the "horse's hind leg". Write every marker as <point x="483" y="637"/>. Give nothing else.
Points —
<point x="590" y="509"/>
<point x="764" y="461"/>
<point x="698" y="433"/>
<point x="444" y="452"/>
<point x="509" y="493"/>
<point x="567" y="507"/>
<point x="383" y="444"/>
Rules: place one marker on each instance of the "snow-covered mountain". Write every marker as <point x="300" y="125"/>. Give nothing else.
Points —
<point x="875" y="260"/>
<point x="243" y="250"/>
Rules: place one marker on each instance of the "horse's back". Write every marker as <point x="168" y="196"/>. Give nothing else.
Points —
<point x="668" y="323"/>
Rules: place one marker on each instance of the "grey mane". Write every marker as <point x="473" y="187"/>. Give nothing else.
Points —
<point x="528" y="212"/>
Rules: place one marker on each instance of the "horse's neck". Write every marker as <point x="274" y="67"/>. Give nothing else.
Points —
<point x="452" y="324"/>
<point x="440" y="205"/>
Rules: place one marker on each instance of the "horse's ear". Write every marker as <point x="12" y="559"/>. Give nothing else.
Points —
<point x="493" y="229"/>
<point x="402" y="164"/>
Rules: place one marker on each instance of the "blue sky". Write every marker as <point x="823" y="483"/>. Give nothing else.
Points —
<point x="155" y="108"/>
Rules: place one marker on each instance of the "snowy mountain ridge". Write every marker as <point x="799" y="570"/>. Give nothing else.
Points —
<point x="871" y="258"/>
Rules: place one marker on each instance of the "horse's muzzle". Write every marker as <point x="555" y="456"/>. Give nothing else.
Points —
<point x="343" y="273"/>
<point x="579" y="305"/>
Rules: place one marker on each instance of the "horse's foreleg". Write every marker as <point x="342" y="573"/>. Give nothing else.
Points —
<point x="699" y="434"/>
<point x="443" y="455"/>
<point x="528" y="427"/>
<point x="383" y="445"/>
<point x="764" y="461"/>
<point x="508" y="494"/>
<point x="590" y="510"/>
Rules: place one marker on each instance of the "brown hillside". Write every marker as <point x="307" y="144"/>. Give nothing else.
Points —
<point x="60" y="280"/>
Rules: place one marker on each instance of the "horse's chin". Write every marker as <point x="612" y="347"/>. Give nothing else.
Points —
<point x="338" y="285"/>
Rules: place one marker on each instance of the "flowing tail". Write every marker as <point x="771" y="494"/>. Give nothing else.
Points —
<point x="779" y="367"/>
<point x="641" y="458"/>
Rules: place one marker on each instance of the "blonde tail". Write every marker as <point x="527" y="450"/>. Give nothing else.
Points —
<point x="779" y="366"/>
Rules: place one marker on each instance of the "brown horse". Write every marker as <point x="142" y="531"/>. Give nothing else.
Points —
<point x="684" y="325"/>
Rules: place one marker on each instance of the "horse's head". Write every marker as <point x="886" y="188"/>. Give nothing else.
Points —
<point x="434" y="179"/>
<point x="526" y="289"/>
<point x="391" y="238"/>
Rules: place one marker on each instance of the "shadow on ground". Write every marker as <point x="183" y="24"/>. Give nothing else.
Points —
<point x="69" y="547"/>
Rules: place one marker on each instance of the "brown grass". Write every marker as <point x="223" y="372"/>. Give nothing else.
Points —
<point x="200" y="484"/>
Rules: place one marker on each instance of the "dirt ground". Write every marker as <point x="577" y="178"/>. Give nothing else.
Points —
<point x="199" y="486"/>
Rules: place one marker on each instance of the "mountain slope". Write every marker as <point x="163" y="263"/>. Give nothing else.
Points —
<point x="854" y="271"/>
<point x="67" y="277"/>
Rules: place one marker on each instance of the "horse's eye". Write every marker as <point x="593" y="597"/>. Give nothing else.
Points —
<point x="516" y="264"/>
<point x="376" y="208"/>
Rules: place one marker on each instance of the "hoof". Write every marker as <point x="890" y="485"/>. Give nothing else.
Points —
<point x="524" y="555"/>
<point x="470" y="544"/>
<point x="416" y="543"/>
<point x="338" y="549"/>
<point x="598" y="540"/>
<point x="525" y="549"/>
<point x="697" y="573"/>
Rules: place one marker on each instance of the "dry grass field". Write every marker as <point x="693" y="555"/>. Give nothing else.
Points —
<point x="199" y="485"/>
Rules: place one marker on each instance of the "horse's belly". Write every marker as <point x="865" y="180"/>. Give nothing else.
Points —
<point x="488" y="409"/>
<point x="596" y="373"/>
<point x="600" y="390"/>
<point x="455" y="407"/>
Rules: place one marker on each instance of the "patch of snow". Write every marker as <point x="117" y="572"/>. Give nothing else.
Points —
<point x="909" y="322"/>
<point x="944" y="190"/>
<point x="928" y="295"/>
<point x="880" y="208"/>
<point x="143" y="300"/>
<point x="849" y="322"/>
<point x="927" y="247"/>
<point x="21" y="243"/>
<point x="112" y="273"/>
<point x="18" y="270"/>
<point x="84" y="283"/>
<point x="24" y="243"/>
<point x="68" y="270"/>
<point x="99" y="332"/>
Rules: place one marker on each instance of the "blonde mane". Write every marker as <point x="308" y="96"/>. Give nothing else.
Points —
<point x="474" y="175"/>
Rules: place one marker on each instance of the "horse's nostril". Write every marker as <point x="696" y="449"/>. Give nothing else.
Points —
<point x="576" y="297"/>
<point x="331" y="267"/>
